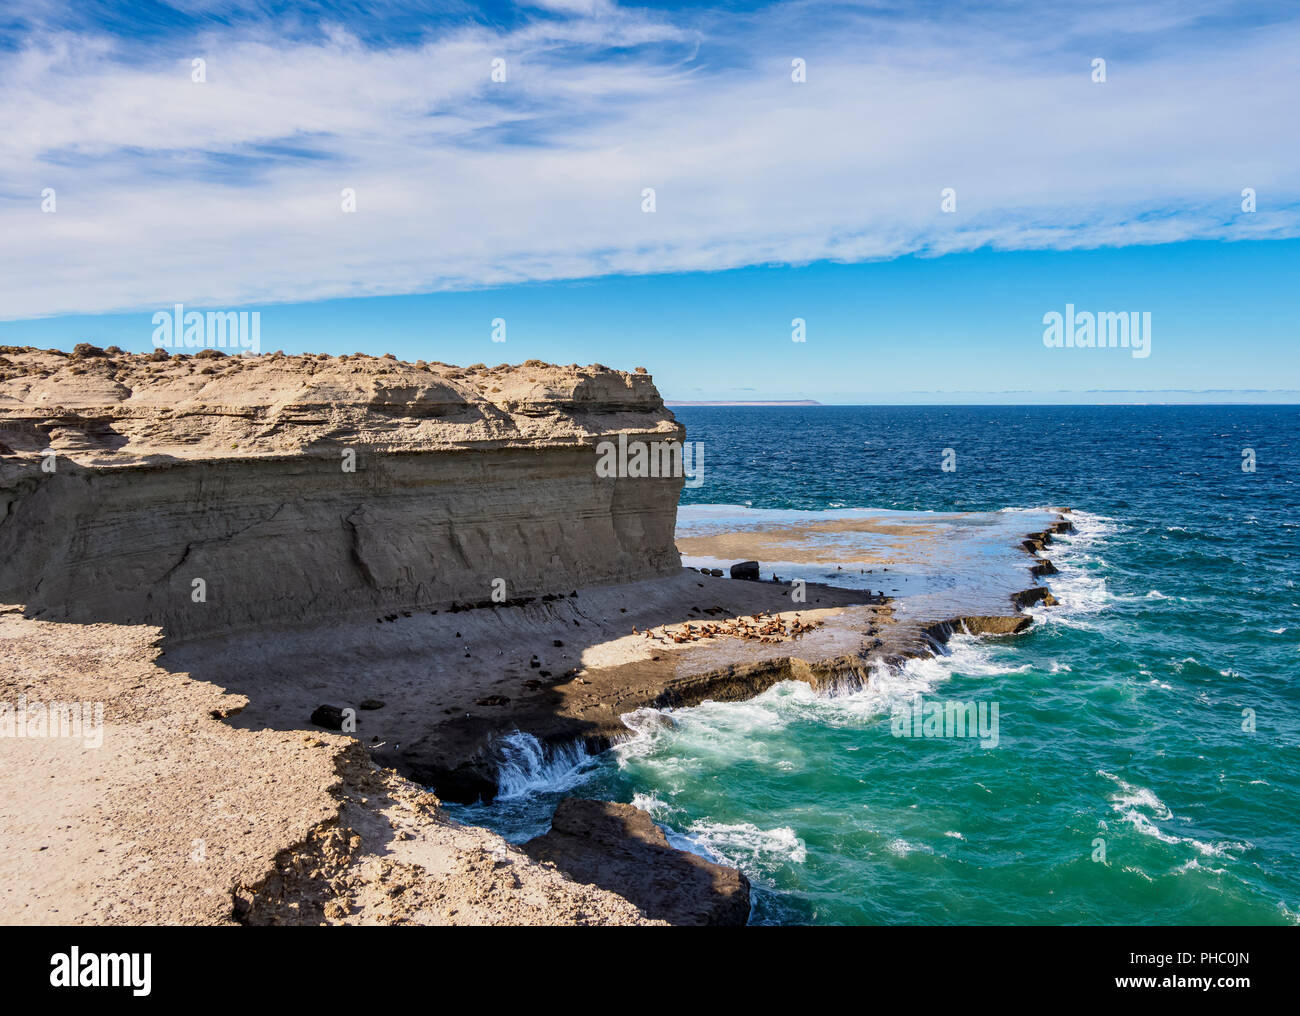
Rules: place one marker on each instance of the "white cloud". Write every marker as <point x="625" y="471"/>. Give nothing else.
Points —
<point x="174" y="191"/>
<point x="589" y="8"/>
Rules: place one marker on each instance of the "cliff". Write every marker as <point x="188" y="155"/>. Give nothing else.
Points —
<point x="256" y="517"/>
<point x="211" y="494"/>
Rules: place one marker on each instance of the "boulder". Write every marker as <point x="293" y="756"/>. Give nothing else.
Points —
<point x="618" y="847"/>
<point x="1028" y="597"/>
<point x="747" y="570"/>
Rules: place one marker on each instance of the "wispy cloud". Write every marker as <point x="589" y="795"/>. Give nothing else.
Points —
<point x="228" y="192"/>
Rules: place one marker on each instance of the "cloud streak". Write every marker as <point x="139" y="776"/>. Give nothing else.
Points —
<point x="228" y="192"/>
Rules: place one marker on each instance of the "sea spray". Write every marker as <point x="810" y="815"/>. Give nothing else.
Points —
<point x="526" y="766"/>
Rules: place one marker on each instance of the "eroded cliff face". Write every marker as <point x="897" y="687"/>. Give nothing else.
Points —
<point x="299" y="489"/>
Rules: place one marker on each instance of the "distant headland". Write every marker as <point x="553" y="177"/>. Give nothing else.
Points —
<point x="751" y="402"/>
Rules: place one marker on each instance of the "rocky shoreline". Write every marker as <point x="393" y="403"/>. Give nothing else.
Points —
<point x="367" y="635"/>
<point x="457" y="756"/>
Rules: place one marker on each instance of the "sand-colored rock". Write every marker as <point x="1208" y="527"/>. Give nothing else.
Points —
<point x="177" y="817"/>
<point x="122" y="409"/>
<point x="219" y="495"/>
<point x="123" y="479"/>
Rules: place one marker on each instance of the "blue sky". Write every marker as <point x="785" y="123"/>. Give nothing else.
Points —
<point x="820" y="199"/>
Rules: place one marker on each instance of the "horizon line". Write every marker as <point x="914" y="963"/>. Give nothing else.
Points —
<point x="812" y="404"/>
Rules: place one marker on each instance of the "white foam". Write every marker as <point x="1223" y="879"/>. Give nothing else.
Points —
<point x="1195" y="865"/>
<point x="650" y="804"/>
<point x="1129" y="796"/>
<point x="745" y="845"/>
<point x="525" y="766"/>
<point x="902" y="847"/>
<point x="1079" y="590"/>
<point x="1129" y="801"/>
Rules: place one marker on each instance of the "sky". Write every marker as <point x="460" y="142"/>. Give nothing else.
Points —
<point x="524" y="200"/>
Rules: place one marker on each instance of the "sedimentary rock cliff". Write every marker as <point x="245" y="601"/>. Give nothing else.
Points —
<point x="209" y="494"/>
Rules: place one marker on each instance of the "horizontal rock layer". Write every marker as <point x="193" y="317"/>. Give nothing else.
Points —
<point x="122" y="409"/>
<point x="460" y="485"/>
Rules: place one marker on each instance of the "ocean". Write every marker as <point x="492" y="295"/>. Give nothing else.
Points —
<point x="1147" y="768"/>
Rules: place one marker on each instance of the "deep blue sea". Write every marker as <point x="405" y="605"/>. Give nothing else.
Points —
<point x="1148" y="764"/>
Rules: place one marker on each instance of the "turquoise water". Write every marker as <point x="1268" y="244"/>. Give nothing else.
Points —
<point x="1121" y="712"/>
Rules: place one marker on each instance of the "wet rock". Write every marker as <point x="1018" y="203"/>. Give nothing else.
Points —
<point x="618" y="847"/>
<point x="747" y="570"/>
<point x="1028" y="597"/>
<point x="370" y="703"/>
<point x="978" y="625"/>
<point x="655" y="718"/>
